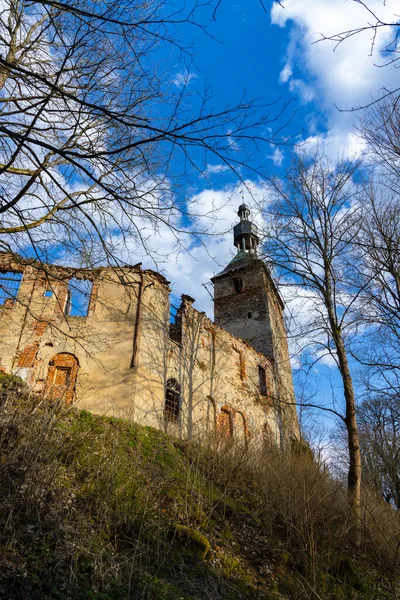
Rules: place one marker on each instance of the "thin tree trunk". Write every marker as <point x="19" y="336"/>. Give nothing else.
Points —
<point x="354" y="475"/>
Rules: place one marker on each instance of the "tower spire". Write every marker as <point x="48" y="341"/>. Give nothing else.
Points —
<point x="245" y="233"/>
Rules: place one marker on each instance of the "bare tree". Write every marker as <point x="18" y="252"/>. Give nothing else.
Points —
<point x="313" y="223"/>
<point x="96" y="141"/>
<point x="389" y="55"/>
<point x="380" y="128"/>
<point x="379" y="433"/>
<point x="379" y="419"/>
<point x="378" y="260"/>
<point x="377" y="272"/>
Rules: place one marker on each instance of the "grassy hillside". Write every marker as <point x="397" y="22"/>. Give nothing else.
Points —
<point x="99" y="508"/>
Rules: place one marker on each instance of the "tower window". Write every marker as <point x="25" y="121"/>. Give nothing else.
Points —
<point x="238" y="284"/>
<point x="262" y="377"/>
<point x="172" y="400"/>
<point x="249" y="315"/>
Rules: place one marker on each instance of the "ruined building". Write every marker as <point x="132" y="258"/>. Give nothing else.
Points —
<point x="105" y="340"/>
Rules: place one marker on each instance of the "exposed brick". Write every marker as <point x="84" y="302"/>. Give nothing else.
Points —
<point x="61" y="377"/>
<point x="40" y="327"/>
<point x="203" y="361"/>
<point x="27" y="357"/>
<point x="226" y="421"/>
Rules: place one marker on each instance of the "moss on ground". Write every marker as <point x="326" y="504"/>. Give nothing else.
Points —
<point x="100" y="508"/>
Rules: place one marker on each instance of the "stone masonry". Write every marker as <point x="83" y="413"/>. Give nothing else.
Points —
<point x="116" y="351"/>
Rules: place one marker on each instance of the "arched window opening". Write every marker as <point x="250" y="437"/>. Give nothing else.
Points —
<point x="61" y="377"/>
<point x="172" y="400"/>
<point x="226" y="422"/>
<point x="243" y="429"/>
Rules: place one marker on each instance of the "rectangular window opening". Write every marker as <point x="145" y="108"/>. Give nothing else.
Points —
<point x="175" y="324"/>
<point x="262" y="376"/>
<point x="9" y="285"/>
<point x="78" y="297"/>
<point x="62" y="376"/>
<point x="213" y="338"/>
<point x="241" y="363"/>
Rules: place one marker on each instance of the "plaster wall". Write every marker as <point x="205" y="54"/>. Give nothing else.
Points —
<point x="125" y="353"/>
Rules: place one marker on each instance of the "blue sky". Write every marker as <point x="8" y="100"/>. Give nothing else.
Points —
<point x="271" y="55"/>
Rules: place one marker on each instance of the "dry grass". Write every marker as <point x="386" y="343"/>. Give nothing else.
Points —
<point x="103" y="509"/>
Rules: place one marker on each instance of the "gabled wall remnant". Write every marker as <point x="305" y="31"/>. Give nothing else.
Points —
<point x="109" y="341"/>
<point x="88" y="359"/>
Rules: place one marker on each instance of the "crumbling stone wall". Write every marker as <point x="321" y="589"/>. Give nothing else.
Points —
<point x="248" y="305"/>
<point x="118" y="358"/>
<point x="220" y="374"/>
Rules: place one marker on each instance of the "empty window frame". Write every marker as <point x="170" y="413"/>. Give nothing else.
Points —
<point x="237" y="284"/>
<point x="226" y="422"/>
<point x="62" y="376"/>
<point x="241" y="363"/>
<point x="175" y="324"/>
<point x="172" y="404"/>
<point x="9" y="285"/>
<point x="78" y="297"/>
<point x="262" y="378"/>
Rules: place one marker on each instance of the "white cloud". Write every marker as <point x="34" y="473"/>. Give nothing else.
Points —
<point x="335" y="143"/>
<point x="216" y="169"/>
<point x="286" y="73"/>
<point x="300" y="87"/>
<point x="277" y="157"/>
<point x="344" y="75"/>
<point x="183" y="79"/>
<point x="303" y="307"/>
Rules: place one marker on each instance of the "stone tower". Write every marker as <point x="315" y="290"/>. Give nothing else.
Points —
<point x="248" y="305"/>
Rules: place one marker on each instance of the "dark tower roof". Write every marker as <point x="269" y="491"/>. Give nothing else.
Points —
<point x="246" y="240"/>
<point x="245" y="233"/>
<point x="243" y="212"/>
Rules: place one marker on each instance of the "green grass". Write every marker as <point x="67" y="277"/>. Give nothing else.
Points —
<point x="100" y="508"/>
